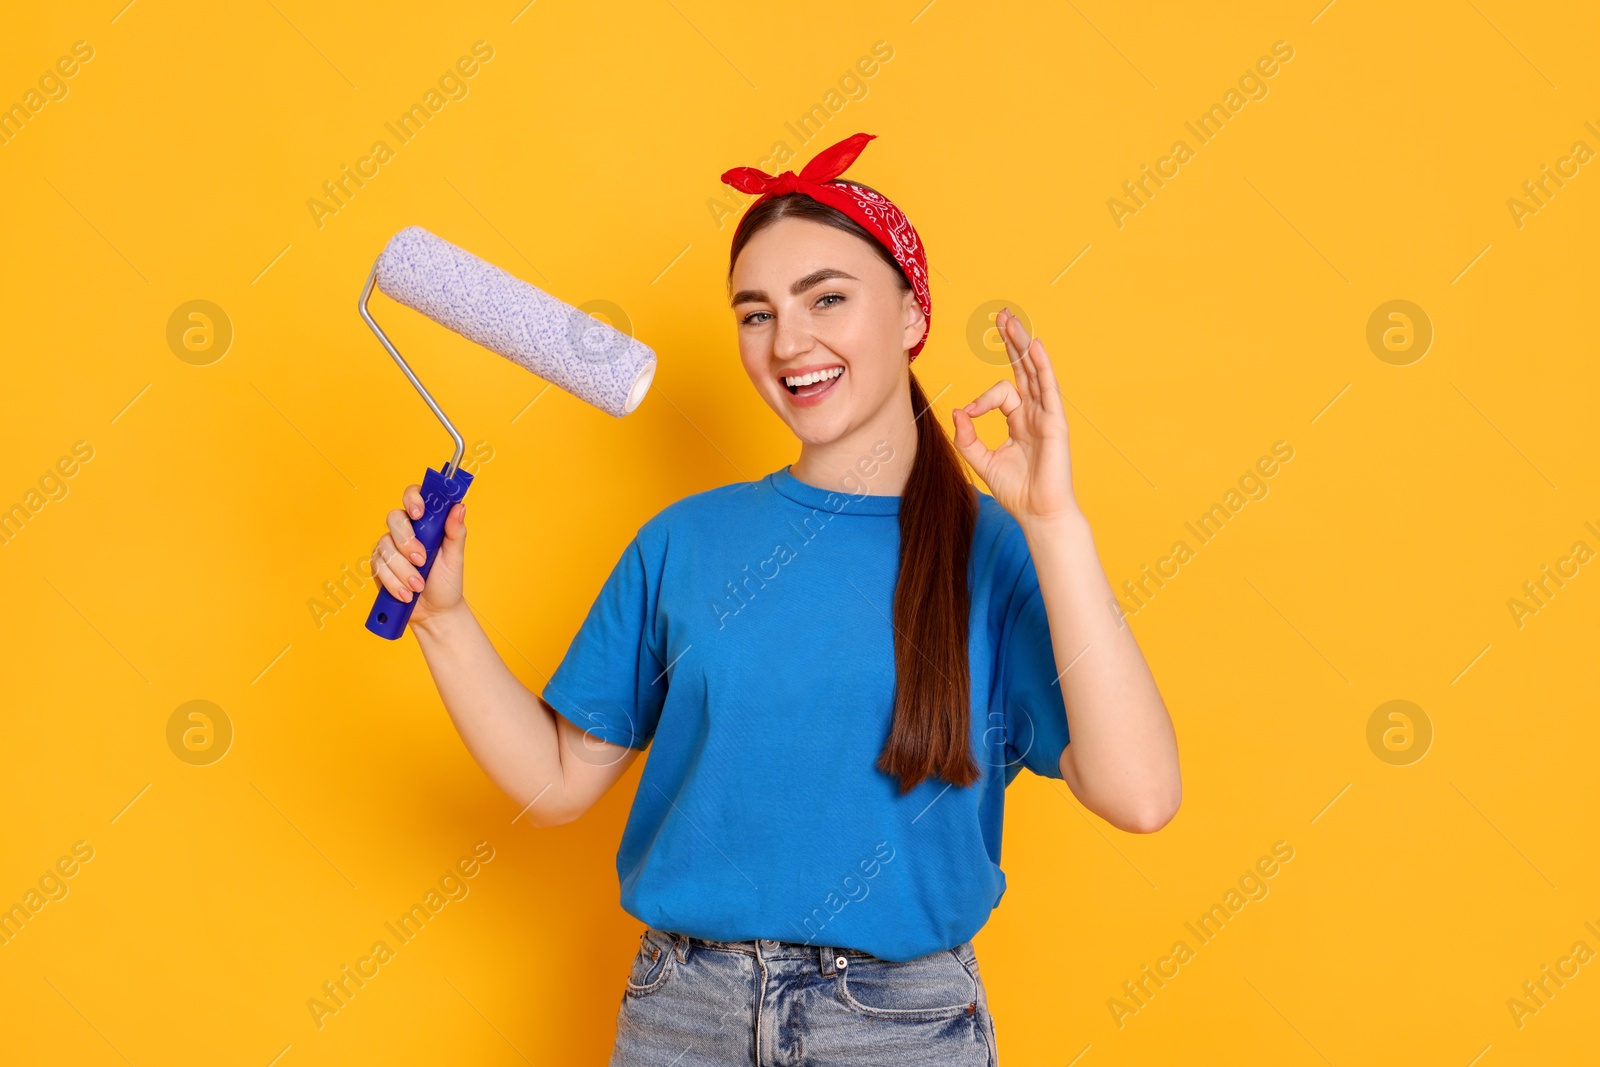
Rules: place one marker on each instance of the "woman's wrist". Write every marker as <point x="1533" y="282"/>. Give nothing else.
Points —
<point x="1072" y="522"/>
<point x="440" y="625"/>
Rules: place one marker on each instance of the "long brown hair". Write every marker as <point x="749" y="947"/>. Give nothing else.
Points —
<point x="931" y="734"/>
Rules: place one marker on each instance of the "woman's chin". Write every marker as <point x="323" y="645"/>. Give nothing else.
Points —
<point x="815" y="428"/>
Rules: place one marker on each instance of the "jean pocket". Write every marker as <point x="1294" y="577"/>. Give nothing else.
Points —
<point x="929" y="988"/>
<point x="653" y="964"/>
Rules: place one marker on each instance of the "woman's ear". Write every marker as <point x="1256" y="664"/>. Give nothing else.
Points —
<point x="915" y="321"/>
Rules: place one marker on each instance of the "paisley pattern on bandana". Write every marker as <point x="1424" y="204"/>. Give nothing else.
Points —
<point x="875" y="212"/>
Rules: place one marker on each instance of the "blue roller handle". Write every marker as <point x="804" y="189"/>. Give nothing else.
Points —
<point x="439" y="494"/>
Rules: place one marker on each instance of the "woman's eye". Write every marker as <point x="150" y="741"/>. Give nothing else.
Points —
<point x="752" y="319"/>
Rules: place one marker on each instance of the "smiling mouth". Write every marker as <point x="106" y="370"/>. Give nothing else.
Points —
<point x="817" y="387"/>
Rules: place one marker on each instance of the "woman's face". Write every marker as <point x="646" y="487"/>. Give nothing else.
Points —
<point x="808" y="297"/>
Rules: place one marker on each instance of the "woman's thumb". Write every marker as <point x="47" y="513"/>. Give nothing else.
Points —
<point x="967" y="441"/>
<point x="455" y="523"/>
<point x="452" y="550"/>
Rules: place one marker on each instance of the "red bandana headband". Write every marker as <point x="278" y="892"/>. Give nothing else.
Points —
<point x="885" y="221"/>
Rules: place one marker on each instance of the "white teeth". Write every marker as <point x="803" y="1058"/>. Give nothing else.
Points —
<point x="812" y="378"/>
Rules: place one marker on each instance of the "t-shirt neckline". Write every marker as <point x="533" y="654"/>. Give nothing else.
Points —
<point x="834" y="501"/>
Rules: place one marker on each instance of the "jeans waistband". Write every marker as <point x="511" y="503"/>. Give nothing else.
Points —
<point x="827" y="956"/>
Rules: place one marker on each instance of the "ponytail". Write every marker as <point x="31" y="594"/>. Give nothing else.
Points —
<point x="932" y="603"/>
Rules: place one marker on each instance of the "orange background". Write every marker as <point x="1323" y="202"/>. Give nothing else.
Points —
<point x="1230" y="312"/>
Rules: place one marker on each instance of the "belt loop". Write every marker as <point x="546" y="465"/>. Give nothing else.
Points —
<point x="680" y="947"/>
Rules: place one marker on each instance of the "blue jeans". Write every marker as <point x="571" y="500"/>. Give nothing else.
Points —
<point x="696" y="1003"/>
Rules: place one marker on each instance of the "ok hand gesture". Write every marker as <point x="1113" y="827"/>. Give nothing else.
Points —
<point x="1030" y="475"/>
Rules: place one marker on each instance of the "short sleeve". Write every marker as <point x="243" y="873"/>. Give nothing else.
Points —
<point x="1030" y="694"/>
<point x="611" y="682"/>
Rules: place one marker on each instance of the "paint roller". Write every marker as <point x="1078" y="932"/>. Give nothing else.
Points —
<point x="538" y="332"/>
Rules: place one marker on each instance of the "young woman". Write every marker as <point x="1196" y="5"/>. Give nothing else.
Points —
<point x="841" y="665"/>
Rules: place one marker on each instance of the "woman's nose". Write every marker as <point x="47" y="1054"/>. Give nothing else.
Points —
<point x="791" y="338"/>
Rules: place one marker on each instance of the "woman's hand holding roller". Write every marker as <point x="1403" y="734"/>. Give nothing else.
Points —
<point x="398" y="555"/>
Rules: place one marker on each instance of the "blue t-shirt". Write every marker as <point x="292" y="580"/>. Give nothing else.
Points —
<point x="746" y="629"/>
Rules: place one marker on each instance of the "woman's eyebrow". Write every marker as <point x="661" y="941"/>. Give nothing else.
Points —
<point x="746" y="296"/>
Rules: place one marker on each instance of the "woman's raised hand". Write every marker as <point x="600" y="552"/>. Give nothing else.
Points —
<point x="398" y="554"/>
<point x="1030" y="475"/>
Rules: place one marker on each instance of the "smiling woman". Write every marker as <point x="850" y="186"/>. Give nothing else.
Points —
<point x="827" y="281"/>
<point x="884" y="683"/>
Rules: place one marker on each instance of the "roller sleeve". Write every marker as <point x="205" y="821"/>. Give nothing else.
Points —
<point x="568" y="348"/>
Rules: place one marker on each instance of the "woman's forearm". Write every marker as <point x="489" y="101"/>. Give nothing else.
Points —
<point x="1122" y="757"/>
<point x="505" y="727"/>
